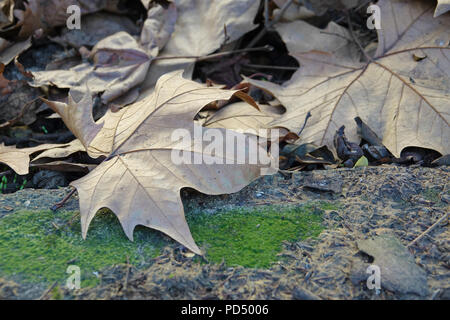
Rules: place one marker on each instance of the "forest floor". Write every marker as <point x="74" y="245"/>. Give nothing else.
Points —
<point x="304" y="235"/>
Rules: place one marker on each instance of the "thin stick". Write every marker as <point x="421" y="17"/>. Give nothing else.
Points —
<point x="125" y="285"/>
<point x="308" y="115"/>
<point x="20" y="115"/>
<point x="428" y="230"/>
<point x="216" y="55"/>
<point x="355" y="39"/>
<point x="260" y="66"/>
<point x="58" y="205"/>
<point x="266" y="12"/>
<point x="46" y="292"/>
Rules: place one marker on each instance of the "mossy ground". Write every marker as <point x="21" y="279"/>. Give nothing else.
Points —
<point x="39" y="246"/>
<point x="254" y="238"/>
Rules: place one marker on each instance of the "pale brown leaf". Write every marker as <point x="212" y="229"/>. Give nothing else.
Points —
<point x="19" y="159"/>
<point x="199" y="31"/>
<point x="442" y="7"/>
<point x="118" y="63"/>
<point x="63" y="151"/>
<point x="242" y="116"/>
<point x="404" y="101"/>
<point x="77" y="115"/>
<point x="139" y="181"/>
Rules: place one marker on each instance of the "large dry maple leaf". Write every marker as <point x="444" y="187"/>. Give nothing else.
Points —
<point x="139" y="181"/>
<point x="402" y="93"/>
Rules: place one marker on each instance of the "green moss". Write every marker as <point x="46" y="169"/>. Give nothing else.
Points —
<point x="432" y="195"/>
<point x="34" y="250"/>
<point x="56" y="293"/>
<point x="39" y="246"/>
<point x="254" y="237"/>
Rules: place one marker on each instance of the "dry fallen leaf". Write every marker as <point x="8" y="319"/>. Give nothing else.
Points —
<point x="19" y="159"/>
<point x="6" y="12"/>
<point x="442" y="7"/>
<point x="118" y="62"/>
<point x="47" y="14"/>
<point x="11" y="50"/>
<point x="77" y="115"/>
<point x="242" y="116"/>
<point x="199" y="30"/>
<point x="96" y="27"/>
<point x="62" y="151"/>
<point x="405" y="102"/>
<point x="139" y="181"/>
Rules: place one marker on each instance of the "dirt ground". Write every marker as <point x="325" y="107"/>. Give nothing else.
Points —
<point x="381" y="211"/>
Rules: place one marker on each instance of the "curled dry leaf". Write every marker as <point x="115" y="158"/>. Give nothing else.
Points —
<point x="62" y="151"/>
<point x="405" y="102"/>
<point x="442" y="7"/>
<point x="139" y="181"/>
<point x="19" y="159"/>
<point x="9" y="50"/>
<point x="6" y="12"/>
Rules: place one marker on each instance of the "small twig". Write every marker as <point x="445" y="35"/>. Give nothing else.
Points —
<point x="125" y="285"/>
<point x="46" y="292"/>
<point x="260" y="66"/>
<point x="61" y="203"/>
<point x="266" y="12"/>
<point x="269" y="25"/>
<point x="355" y="39"/>
<point x="20" y="115"/>
<point x="362" y="5"/>
<point x="266" y="48"/>
<point x="308" y="115"/>
<point x="337" y="35"/>
<point x="428" y="230"/>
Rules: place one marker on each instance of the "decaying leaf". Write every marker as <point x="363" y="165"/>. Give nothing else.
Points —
<point x="442" y="7"/>
<point x="46" y="14"/>
<point x="118" y="63"/>
<point x="139" y="181"/>
<point x="17" y="101"/>
<point x="95" y="28"/>
<point x="405" y="102"/>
